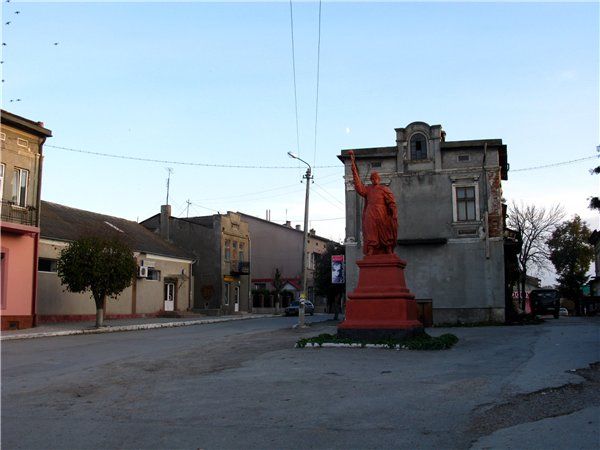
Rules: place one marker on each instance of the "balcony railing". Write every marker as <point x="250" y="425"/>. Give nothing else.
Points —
<point x="240" y="267"/>
<point x="10" y="212"/>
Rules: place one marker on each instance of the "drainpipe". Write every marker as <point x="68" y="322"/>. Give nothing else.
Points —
<point x="486" y="217"/>
<point x="250" y="300"/>
<point x="37" y="235"/>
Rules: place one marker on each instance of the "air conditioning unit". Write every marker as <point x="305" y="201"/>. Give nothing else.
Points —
<point x="143" y="272"/>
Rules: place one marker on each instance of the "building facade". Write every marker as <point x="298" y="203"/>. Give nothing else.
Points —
<point x="220" y="244"/>
<point x="450" y="219"/>
<point x="163" y="285"/>
<point x="279" y="247"/>
<point x="21" y="143"/>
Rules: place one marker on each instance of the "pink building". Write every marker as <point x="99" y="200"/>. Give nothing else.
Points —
<point x="21" y="142"/>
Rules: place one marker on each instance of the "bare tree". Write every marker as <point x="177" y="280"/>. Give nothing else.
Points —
<point x="535" y="225"/>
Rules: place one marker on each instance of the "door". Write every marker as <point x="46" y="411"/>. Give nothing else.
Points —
<point x="236" y="299"/>
<point x="169" y="296"/>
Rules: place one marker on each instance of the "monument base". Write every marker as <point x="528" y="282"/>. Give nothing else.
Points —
<point x="381" y="306"/>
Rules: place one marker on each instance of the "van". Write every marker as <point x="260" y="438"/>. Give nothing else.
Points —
<point x="545" y="301"/>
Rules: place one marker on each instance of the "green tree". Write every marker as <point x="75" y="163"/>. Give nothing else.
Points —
<point x="322" y="277"/>
<point x="100" y="265"/>
<point x="571" y="254"/>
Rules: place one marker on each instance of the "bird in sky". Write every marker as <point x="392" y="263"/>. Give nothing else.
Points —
<point x="4" y="44"/>
<point x="7" y="23"/>
<point x="56" y="43"/>
<point x="17" y="12"/>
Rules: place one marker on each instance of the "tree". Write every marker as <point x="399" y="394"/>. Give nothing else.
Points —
<point x="100" y="265"/>
<point x="322" y="277"/>
<point x="278" y="284"/>
<point x="535" y="226"/>
<point x="595" y="201"/>
<point x="571" y="254"/>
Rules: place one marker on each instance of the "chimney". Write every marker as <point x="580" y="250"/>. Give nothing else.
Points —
<point x="312" y="232"/>
<point x="165" y="215"/>
<point x="299" y="227"/>
<point x="288" y="223"/>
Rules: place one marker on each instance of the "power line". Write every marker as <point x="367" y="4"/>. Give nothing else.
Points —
<point x="317" y="95"/>
<point x="294" y="70"/>
<point x="563" y="163"/>
<point x="181" y="163"/>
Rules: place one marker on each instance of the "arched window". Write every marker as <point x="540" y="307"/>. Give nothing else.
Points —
<point x="418" y="147"/>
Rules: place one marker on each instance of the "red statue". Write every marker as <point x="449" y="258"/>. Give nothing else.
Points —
<point x="380" y="216"/>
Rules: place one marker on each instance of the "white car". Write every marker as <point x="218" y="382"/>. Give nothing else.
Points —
<point x="563" y="312"/>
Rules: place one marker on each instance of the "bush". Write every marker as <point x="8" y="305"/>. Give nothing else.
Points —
<point x="422" y="342"/>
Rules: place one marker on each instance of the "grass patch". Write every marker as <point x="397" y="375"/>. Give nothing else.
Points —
<point x="423" y="342"/>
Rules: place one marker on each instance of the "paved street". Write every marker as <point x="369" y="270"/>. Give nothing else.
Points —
<point x="243" y="385"/>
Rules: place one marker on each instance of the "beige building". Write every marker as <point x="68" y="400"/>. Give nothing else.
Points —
<point x="163" y="285"/>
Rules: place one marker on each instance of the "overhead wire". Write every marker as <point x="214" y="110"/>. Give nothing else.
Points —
<point x="294" y="71"/>
<point x="181" y="163"/>
<point x="317" y="93"/>
<point x="563" y="163"/>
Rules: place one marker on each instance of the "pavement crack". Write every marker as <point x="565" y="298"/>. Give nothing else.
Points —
<point x="542" y="404"/>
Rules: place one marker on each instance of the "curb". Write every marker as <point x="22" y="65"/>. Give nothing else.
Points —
<point x="148" y="326"/>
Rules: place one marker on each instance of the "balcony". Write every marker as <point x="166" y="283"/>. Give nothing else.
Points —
<point x="10" y="212"/>
<point x="240" y="267"/>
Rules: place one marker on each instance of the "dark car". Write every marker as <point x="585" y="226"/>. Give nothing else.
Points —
<point x="292" y="310"/>
<point x="545" y="301"/>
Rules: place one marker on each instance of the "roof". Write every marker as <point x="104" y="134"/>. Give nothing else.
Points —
<point x="63" y="223"/>
<point x="36" y="128"/>
<point x="284" y="226"/>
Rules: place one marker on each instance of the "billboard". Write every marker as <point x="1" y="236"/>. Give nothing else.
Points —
<point x="338" y="269"/>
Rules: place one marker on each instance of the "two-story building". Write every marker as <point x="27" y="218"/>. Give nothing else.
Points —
<point x="220" y="244"/>
<point x="279" y="247"/>
<point x="21" y="142"/>
<point x="450" y="219"/>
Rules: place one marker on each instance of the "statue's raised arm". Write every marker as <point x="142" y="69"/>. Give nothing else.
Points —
<point x="358" y="184"/>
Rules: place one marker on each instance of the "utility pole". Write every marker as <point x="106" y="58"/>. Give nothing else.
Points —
<point x="308" y="177"/>
<point x="187" y="212"/>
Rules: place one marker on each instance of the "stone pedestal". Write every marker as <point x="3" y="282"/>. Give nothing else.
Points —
<point x="381" y="306"/>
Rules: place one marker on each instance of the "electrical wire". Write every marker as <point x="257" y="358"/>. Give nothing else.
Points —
<point x="318" y="76"/>
<point x="563" y="163"/>
<point x="294" y="70"/>
<point x="181" y="163"/>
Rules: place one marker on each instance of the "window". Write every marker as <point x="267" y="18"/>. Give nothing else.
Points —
<point x="418" y="147"/>
<point x="226" y="294"/>
<point x="2" y="168"/>
<point x="46" y="265"/>
<point x="465" y="206"/>
<point x="227" y="249"/>
<point x="235" y="250"/>
<point x="19" y="196"/>
<point x="242" y="253"/>
<point x="153" y="274"/>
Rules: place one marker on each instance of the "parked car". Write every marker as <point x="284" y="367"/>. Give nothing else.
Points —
<point x="294" y="307"/>
<point x="545" y="301"/>
<point x="563" y="311"/>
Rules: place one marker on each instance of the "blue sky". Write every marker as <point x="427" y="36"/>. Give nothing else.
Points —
<point x="213" y="83"/>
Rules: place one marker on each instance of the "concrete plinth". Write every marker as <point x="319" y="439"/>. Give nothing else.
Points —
<point x="381" y="306"/>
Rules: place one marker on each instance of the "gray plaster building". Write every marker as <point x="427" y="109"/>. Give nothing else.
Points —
<point x="450" y="214"/>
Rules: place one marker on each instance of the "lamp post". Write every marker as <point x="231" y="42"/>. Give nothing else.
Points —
<point x="307" y="176"/>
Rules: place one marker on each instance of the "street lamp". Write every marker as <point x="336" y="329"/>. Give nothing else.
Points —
<point x="307" y="176"/>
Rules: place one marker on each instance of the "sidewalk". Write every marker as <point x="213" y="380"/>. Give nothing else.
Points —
<point x="117" y="325"/>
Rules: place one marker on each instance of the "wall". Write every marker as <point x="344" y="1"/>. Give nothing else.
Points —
<point x="20" y="250"/>
<point x="55" y="302"/>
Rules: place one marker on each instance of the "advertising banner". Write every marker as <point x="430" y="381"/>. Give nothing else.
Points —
<point x="338" y="269"/>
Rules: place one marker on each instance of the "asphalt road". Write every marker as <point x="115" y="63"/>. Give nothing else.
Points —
<point x="243" y="385"/>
